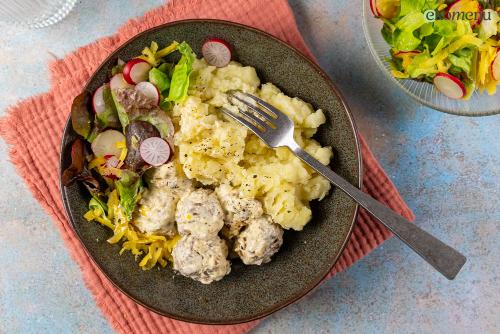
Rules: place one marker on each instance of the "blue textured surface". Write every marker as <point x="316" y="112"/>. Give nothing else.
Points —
<point x="446" y="167"/>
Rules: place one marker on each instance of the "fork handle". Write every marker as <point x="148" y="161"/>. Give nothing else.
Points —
<point x="442" y="257"/>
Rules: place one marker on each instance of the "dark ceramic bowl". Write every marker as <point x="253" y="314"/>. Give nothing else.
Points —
<point x="248" y="292"/>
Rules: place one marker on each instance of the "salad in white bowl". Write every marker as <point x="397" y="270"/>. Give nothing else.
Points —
<point x="454" y="45"/>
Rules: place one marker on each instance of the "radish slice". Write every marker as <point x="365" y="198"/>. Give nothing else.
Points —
<point x="136" y="70"/>
<point x="387" y="9"/>
<point x="149" y="90"/>
<point x="105" y="143"/>
<point x="373" y="7"/>
<point x="450" y="86"/>
<point x="111" y="161"/>
<point x="117" y="82"/>
<point x="155" y="151"/>
<point x="98" y="100"/>
<point x="495" y="67"/>
<point x="407" y="53"/>
<point x="216" y="52"/>
<point x="461" y="9"/>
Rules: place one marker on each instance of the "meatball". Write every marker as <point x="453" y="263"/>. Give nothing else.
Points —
<point x="203" y="260"/>
<point x="200" y="214"/>
<point x="170" y="175"/>
<point x="237" y="210"/>
<point x="259" y="241"/>
<point x="156" y="212"/>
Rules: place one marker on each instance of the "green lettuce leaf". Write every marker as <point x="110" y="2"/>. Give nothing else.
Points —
<point x="122" y="113"/>
<point x="462" y="59"/>
<point x="97" y="203"/>
<point x="409" y="6"/>
<point x="405" y="39"/>
<point x="411" y="25"/>
<point x="118" y="68"/>
<point x="445" y="32"/>
<point x="411" y="22"/>
<point x="426" y="30"/>
<point x="159" y="79"/>
<point x="417" y="69"/>
<point x="180" y="77"/>
<point x="128" y="186"/>
<point x="455" y="71"/>
<point x="109" y="118"/>
<point x="388" y="33"/>
<point x="167" y="68"/>
<point x="489" y="25"/>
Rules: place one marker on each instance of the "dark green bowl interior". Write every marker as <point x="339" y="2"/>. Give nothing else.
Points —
<point x="249" y="292"/>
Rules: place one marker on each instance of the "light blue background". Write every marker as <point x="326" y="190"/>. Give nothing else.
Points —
<point x="446" y="167"/>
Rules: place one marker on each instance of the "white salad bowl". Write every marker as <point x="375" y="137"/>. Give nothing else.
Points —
<point x="426" y="93"/>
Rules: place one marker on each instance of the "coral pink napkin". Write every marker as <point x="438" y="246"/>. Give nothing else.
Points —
<point x="33" y="128"/>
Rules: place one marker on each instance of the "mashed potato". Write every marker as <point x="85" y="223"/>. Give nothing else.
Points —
<point x="215" y="150"/>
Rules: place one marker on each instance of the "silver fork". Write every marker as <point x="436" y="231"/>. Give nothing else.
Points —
<point x="276" y="130"/>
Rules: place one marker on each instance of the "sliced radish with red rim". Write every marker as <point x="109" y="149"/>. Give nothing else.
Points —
<point x="111" y="161"/>
<point x="149" y="90"/>
<point x="155" y="151"/>
<point x="450" y="86"/>
<point x="105" y="144"/>
<point x="216" y="52"/>
<point x="98" y="100"/>
<point x="136" y="70"/>
<point x="118" y="81"/>
<point x="373" y="7"/>
<point x="461" y="9"/>
<point x="407" y="53"/>
<point x="495" y="67"/>
<point x="385" y="8"/>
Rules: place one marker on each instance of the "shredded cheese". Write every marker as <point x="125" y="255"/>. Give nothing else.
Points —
<point x="487" y="54"/>
<point x="123" y="154"/>
<point x="154" y="249"/>
<point x="121" y="144"/>
<point x="152" y="55"/>
<point x="96" y="162"/>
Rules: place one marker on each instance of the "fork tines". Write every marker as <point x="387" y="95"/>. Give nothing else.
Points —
<point x="261" y="114"/>
<point x="267" y="122"/>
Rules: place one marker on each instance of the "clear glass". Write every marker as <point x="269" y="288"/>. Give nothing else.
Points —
<point x="425" y="93"/>
<point x="34" y="13"/>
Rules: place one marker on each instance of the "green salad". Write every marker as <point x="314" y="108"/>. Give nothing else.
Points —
<point x="453" y="44"/>
<point x="128" y="132"/>
<point x="126" y="139"/>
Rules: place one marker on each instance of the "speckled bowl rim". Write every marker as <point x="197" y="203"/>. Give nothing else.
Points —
<point x="358" y="154"/>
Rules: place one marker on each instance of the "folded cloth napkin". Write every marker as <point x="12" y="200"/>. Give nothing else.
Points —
<point x="34" y="127"/>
